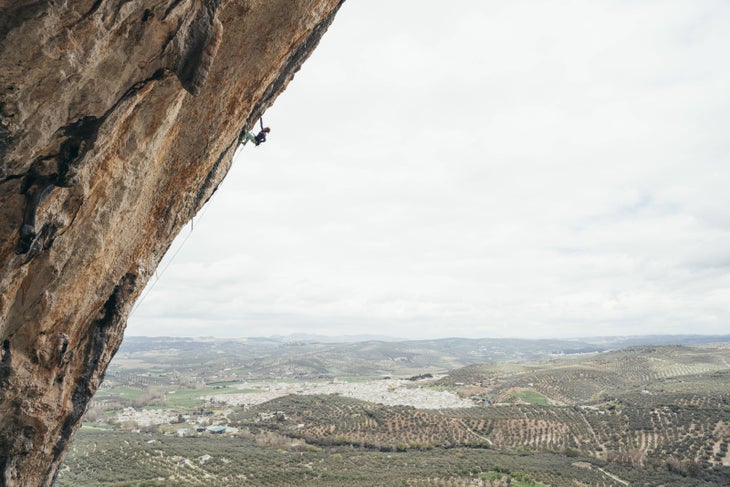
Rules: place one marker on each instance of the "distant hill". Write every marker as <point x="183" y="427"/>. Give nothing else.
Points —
<point x="310" y="356"/>
<point x="314" y="338"/>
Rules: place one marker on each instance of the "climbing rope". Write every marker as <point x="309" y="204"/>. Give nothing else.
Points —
<point x="161" y="273"/>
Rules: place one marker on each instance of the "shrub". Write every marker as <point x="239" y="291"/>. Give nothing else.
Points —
<point x="571" y="452"/>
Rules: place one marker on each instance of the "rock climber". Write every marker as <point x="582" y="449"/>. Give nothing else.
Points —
<point x="257" y="139"/>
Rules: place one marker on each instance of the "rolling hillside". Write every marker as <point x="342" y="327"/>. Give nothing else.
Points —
<point x="644" y="415"/>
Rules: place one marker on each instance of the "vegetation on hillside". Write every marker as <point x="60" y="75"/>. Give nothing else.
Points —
<point x="643" y="416"/>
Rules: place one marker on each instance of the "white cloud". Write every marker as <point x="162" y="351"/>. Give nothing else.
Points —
<point x="520" y="169"/>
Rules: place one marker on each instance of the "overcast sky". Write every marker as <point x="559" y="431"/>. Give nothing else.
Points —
<point x="478" y="169"/>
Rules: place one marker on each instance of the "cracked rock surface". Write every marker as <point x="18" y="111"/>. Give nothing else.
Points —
<point x="118" y="120"/>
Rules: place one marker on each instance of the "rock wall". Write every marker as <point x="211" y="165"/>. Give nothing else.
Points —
<point x="119" y="119"/>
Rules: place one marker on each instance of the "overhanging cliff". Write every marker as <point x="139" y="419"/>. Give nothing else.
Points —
<point x="119" y="119"/>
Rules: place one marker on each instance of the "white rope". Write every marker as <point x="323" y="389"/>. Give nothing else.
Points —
<point x="202" y="213"/>
<point x="159" y="275"/>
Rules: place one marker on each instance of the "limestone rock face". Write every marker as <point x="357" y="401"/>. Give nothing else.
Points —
<point x="119" y="119"/>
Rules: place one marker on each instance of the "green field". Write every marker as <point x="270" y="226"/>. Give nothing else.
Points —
<point x="515" y="479"/>
<point x="530" y="397"/>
